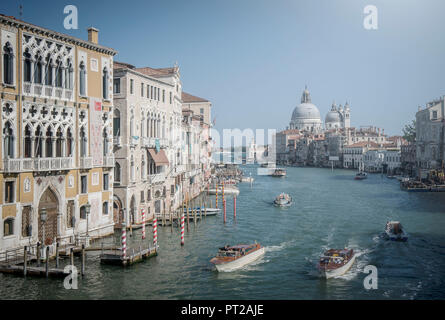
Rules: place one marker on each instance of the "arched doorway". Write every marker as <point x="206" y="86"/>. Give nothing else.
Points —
<point x="118" y="214"/>
<point x="49" y="202"/>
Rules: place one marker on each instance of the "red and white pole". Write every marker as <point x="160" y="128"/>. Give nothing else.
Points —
<point x="124" y="241"/>
<point x="143" y="224"/>
<point x="234" y="207"/>
<point x="182" y="229"/>
<point x="155" y="232"/>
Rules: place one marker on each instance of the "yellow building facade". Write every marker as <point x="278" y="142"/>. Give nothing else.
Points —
<point x="56" y="149"/>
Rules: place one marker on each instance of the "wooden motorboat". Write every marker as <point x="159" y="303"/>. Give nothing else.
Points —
<point x="279" y="173"/>
<point x="229" y="190"/>
<point x="283" y="200"/>
<point x="230" y="258"/>
<point x="336" y="262"/>
<point x="395" y="232"/>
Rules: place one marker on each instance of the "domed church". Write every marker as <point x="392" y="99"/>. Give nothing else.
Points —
<point x="306" y="116"/>
<point x="338" y="117"/>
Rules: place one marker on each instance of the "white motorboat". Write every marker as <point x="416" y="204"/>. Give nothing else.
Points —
<point x="395" y="232"/>
<point x="230" y="258"/>
<point x="227" y="191"/>
<point x="247" y="179"/>
<point x="336" y="262"/>
<point x="283" y="200"/>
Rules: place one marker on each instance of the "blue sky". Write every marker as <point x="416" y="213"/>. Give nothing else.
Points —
<point x="252" y="58"/>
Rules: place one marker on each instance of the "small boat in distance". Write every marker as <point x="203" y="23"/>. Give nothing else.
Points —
<point x="336" y="262"/>
<point x="361" y="176"/>
<point x="228" y="190"/>
<point x="230" y="258"/>
<point x="279" y="172"/>
<point x="394" y="231"/>
<point x="283" y="200"/>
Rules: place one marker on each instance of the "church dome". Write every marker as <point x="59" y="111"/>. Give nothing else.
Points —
<point x="306" y="110"/>
<point x="333" y="116"/>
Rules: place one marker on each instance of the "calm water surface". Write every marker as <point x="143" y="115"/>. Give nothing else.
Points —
<point x="330" y="210"/>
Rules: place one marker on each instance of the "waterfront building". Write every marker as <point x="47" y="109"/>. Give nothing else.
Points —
<point x="147" y="141"/>
<point x="408" y="159"/>
<point x="353" y="153"/>
<point x="56" y="176"/>
<point x="382" y="160"/>
<point x="430" y="136"/>
<point x="285" y="141"/>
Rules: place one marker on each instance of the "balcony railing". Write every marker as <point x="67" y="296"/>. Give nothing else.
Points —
<point x="42" y="90"/>
<point x="157" y="178"/>
<point x="149" y="142"/>
<point x="109" y="161"/>
<point x="86" y="163"/>
<point x="37" y="164"/>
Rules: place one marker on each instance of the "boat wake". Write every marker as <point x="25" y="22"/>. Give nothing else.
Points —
<point x="281" y="246"/>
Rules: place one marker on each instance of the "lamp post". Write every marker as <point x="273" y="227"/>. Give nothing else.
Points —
<point x="87" y="211"/>
<point x="43" y="217"/>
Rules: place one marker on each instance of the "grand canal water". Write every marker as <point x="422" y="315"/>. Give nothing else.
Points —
<point x="331" y="210"/>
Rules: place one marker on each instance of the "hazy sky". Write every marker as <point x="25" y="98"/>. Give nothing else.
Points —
<point x="252" y="58"/>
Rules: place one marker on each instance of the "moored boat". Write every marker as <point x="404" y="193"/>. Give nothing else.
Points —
<point x="394" y="231"/>
<point x="283" y="200"/>
<point x="279" y="173"/>
<point x="230" y="258"/>
<point x="229" y="190"/>
<point x="336" y="262"/>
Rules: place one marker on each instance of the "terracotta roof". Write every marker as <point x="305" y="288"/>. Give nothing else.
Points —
<point x="159" y="72"/>
<point x="363" y="144"/>
<point x="187" y="98"/>
<point x="290" y="131"/>
<point x="119" y="65"/>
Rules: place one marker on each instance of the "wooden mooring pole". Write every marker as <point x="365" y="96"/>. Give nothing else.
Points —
<point x="25" y="260"/>
<point x="234" y="207"/>
<point x="82" y="268"/>
<point x="57" y="255"/>
<point x="38" y="253"/>
<point x="72" y="256"/>
<point x="47" y="261"/>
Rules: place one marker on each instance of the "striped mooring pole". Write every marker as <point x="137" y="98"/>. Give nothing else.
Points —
<point x="155" y="232"/>
<point x="224" y="205"/>
<point x="124" y="240"/>
<point x="182" y="229"/>
<point x="143" y="224"/>
<point x="234" y="207"/>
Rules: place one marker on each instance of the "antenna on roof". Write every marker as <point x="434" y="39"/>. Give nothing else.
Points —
<point x="20" y="10"/>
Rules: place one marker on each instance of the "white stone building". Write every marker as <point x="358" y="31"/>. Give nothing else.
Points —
<point x="306" y="116"/>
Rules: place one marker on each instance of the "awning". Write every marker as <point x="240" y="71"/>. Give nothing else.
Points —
<point x="159" y="158"/>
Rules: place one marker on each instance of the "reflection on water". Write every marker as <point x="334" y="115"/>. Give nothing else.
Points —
<point x="330" y="210"/>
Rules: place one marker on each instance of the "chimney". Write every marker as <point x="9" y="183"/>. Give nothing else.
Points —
<point x="93" y="35"/>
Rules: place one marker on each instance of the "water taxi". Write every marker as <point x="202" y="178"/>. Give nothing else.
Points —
<point x="230" y="258"/>
<point x="279" y="173"/>
<point x="229" y="190"/>
<point x="336" y="262"/>
<point x="394" y="231"/>
<point x="283" y="200"/>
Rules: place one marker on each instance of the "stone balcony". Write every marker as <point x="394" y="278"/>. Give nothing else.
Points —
<point x="148" y="142"/>
<point x="109" y="161"/>
<point x="156" y="178"/>
<point x="37" y="164"/>
<point x="44" y="91"/>
<point x="86" y="163"/>
<point x="117" y="141"/>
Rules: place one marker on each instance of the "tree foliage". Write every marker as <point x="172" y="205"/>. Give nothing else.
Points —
<point x="409" y="131"/>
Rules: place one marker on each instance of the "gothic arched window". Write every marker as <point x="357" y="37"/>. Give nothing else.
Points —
<point x="28" y="142"/>
<point x="8" y="140"/>
<point x="83" y="143"/>
<point x="38" y="69"/>
<point x="49" y="143"/>
<point x="59" y="73"/>
<point x="59" y="142"/>
<point x="69" y="75"/>
<point x="49" y="71"/>
<point x="8" y="64"/>
<point x="69" y="143"/>
<point x="105" y="83"/>
<point x="27" y="66"/>
<point x="117" y="172"/>
<point x="105" y="141"/>
<point x="38" y="142"/>
<point x="82" y="79"/>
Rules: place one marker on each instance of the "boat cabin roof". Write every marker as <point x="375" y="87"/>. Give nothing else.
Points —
<point x="237" y="247"/>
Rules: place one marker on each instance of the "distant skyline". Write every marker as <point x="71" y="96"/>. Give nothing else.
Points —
<point x="253" y="58"/>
